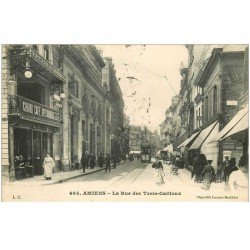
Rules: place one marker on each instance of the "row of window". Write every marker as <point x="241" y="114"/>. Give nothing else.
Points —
<point x="46" y="50"/>
<point x="85" y="130"/>
<point x="208" y="109"/>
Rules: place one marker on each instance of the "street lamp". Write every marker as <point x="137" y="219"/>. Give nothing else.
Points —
<point x="62" y="95"/>
<point x="28" y="73"/>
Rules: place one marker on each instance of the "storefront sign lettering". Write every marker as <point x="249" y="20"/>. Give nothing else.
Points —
<point x="36" y="110"/>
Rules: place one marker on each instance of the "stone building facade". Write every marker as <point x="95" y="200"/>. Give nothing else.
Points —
<point x="211" y="86"/>
<point x="170" y="129"/>
<point x="118" y="146"/>
<point x="135" y="138"/>
<point x="55" y="100"/>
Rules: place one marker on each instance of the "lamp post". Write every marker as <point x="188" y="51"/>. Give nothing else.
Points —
<point x="28" y="73"/>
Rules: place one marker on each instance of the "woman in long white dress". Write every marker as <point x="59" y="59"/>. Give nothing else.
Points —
<point x="48" y="165"/>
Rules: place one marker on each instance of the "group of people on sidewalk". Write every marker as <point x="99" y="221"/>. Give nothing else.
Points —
<point x="89" y="161"/>
<point x="203" y="172"/>
<point x="23" y="167"/>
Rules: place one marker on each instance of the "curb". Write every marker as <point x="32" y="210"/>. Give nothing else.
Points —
<point x="77" y="176"/>
<point x="72" y="177"/>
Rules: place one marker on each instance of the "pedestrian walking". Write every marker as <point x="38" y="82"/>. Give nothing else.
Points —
<point x="114" y="159"/>
<point x="224" y="166"/>
<point x="159" y="174"/>
<point x="199" y="165"/>
<point x="183" y="162"/>
<point x="101" y="160"/>
<point x="92" y="161"/>
<point x="85" y="161"/>
<point x="229" y="169"/>
<point x="220" y="172"/>
<point x="48" y="165"/>
<point x="172" y="160"/>
<point x="208" y="174"/>
<point x="107" y="163"/>
<point x="191" y="166"/>
<point x="177" y="165"/>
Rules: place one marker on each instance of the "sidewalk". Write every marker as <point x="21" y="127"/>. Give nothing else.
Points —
<point x="185" y="177"/>
<point x="58" y="177"/>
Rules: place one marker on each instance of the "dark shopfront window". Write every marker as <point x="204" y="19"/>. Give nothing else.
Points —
<point x="32" y="91"/>
<point x="33" y="144"/>
<point x="22" y="142"/>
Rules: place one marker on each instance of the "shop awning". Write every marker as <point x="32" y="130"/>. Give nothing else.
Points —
<point x="186" y="142"/>
<point x="169" y="148"/>
<point x="236" y="119"/>
<point x="202" y="136"/>
<point x="240" y="126"/>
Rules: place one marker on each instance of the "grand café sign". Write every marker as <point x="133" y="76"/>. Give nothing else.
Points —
<point x="39" y="111"/>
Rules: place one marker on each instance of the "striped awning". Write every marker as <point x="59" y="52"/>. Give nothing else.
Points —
<point x="242" y="114"/>
<point x="186" y="142"/>
<point x="240" y="126"/>
<point x="202" y="136"/>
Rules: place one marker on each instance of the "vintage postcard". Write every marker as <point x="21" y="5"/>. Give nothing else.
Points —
<point x="124" y="122"/>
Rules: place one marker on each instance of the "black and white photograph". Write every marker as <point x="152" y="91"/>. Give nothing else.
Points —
<point x="125" y="122"/>
<point x="124" y="125"/>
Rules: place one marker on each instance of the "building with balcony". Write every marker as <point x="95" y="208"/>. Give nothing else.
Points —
<point x="216" y="80"/>
<point x="31" y="114"/>
<point x="55" y="100"/>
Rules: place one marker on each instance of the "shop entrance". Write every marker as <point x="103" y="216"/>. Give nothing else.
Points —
<point x="33" y="145"/>
<point x="22" y="143"/>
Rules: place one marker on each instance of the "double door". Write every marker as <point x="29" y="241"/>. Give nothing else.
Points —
<point x="42" y="144"/>
<point x="33" y="145"/>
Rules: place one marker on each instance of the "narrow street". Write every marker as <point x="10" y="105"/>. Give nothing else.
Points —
<point x="132" y="178"/>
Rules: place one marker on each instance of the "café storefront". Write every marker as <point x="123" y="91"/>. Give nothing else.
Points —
<point x="34" y="129"/>
<point x="35" y="110"/>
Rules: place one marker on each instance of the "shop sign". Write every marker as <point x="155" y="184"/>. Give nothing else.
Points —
<point x="229" y="146"/>
<point x="39" y="111"/>
<point x="232" y="103"/>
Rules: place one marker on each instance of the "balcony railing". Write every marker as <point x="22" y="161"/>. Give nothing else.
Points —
<point x="75" y="101"/>
<point x="20" y="55"/>
<point x="29" y="110"/>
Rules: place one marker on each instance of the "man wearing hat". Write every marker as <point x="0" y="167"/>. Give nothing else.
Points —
<point x="85" y="161"/>
<point x="208" y="173"/>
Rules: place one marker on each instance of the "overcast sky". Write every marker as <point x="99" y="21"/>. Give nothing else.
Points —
<point x="141" y="70"/>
